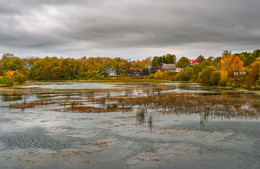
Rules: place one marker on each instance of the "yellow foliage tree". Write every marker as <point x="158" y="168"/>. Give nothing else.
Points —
<point x="231" y="64"/>
<point x="10" y="74"/>
<point x="160" y="75"/>
<point x="236" y="64"/>
<point x="254" y="72"/>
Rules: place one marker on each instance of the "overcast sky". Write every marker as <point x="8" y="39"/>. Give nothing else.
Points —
<point x="133" y="29"/>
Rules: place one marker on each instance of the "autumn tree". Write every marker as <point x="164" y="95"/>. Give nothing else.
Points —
<point x="198" y="68"/>
<point x="13" y="64"/>
<point x="254" y="72"/>
<point x="205" y="75"/>
<point x="186" y="74"/>
<point x="231" y="64"/>
<point x="216" y="62"/>
<point x="215" y="77"/>
<point x="236" y="64"/>
<point x="226" y="53"/>
<point x="183" y="62"/>
<point x="200" y="59"/>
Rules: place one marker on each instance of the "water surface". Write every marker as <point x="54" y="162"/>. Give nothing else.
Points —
<point x="129" y="125"/>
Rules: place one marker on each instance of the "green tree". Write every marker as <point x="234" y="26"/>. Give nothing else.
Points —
<point x="226" y="53"/>
<point x="183" y="62"/>
<point x="186" y="74"/>
<point x="224" y="79"/>
<point x="216" y="62"/>
<point x="19" y="77"/>
<point x="200" y="59"/>
<point x="254" y="72"/>
<point x="249" y="60"/>
<point x="215" y="77"/>
<point x="170" y="59"/>
<point x="205" y="75"/>
<point x="13" y="64"/>
<point x="145" y="71"/>
<point x="6" y="81"/>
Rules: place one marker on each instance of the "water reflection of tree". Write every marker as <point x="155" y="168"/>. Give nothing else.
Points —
<point x="7" y="97"/>
<point x="140" y="115"/>
<point x="128" y="93"/>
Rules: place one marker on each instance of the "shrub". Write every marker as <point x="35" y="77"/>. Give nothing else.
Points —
<point x="215" y="77"/>
<point x="224" y="79"/>
<point x="91" y="74"/>
<point x="6" y="81"/>
<point x="205" y="75"/>
<point x="151" y="76"/>
<point x="160" y="75"/>
<point x="19" y="77"/>
<point x="186" y="74"/>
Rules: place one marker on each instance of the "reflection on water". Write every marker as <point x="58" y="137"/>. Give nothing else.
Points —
<point x="35" y="138"/>
<point x="144" y="125"/>
<point x="11" y="97"/>
<point x="140" y="115"/>
<point x="72" y="86"/>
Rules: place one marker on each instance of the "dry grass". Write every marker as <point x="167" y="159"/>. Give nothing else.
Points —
<point x="215" y="105"/>
<point x="89" y="109"/>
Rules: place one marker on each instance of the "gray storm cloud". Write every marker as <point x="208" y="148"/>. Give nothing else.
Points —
<point x="128" y="28"/>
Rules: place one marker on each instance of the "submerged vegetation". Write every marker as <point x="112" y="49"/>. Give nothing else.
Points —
<point x="237" y="70"/>
<point x="158" y="122"/>
<point x="211" y="104"/>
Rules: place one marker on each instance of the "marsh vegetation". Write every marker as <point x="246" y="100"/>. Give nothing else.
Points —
<point x="128" y="125"/>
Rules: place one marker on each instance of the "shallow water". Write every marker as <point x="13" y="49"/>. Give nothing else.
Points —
<point x="73" y="86"/>
<point x="111" y="127"/>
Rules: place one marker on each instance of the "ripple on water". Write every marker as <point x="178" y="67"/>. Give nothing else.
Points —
<point x="36" y="137"/>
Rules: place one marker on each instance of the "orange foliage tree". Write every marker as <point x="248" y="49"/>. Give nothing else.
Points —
<point x="231" y="64"/>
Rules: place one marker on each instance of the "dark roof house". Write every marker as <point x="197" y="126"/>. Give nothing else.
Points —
<point x="136" y="71"/>
<point x="111" y="72"/>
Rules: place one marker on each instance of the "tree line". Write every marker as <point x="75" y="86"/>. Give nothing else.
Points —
<point x="239" y="69"/>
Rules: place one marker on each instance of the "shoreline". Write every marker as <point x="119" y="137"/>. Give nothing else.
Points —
<point x="250" y="91"/>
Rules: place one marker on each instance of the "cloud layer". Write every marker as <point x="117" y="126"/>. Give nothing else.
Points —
<point x="128" y="28"/>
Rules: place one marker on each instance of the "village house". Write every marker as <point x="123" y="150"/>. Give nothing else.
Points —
<point x="178" y="70"/>
<point x="149" y="67"/>
<point x="28" y="66"/>
<point x="168" y="67"/>
<point x="239" y="73"/>
<point x="136" y="71"/>
<point x="193" y="62"/>
<point x="111" y="72"/>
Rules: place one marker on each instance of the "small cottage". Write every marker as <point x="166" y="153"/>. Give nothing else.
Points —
<point x="239" y="73"/>
<point x="111" y="72"/>
<point x="193" y="62"/>
<point x="136" y="71"/>
<point x="169" y="67"/>
<point x="178" y="70"/>
<point x="28" y="66"/>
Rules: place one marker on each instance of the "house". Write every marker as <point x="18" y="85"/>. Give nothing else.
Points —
<point x="168" y="67"/>
<point x="136" y="71"/>
<point x="149" y="67"/>
<point x="178" y="70"/>
<point x="193" y="62"/>
<point x="111" y="72"/>
<point x="28" y="66"/>
<point x="239" y="73"/>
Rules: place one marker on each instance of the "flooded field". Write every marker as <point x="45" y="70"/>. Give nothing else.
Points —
<point x="128" y="125"/>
